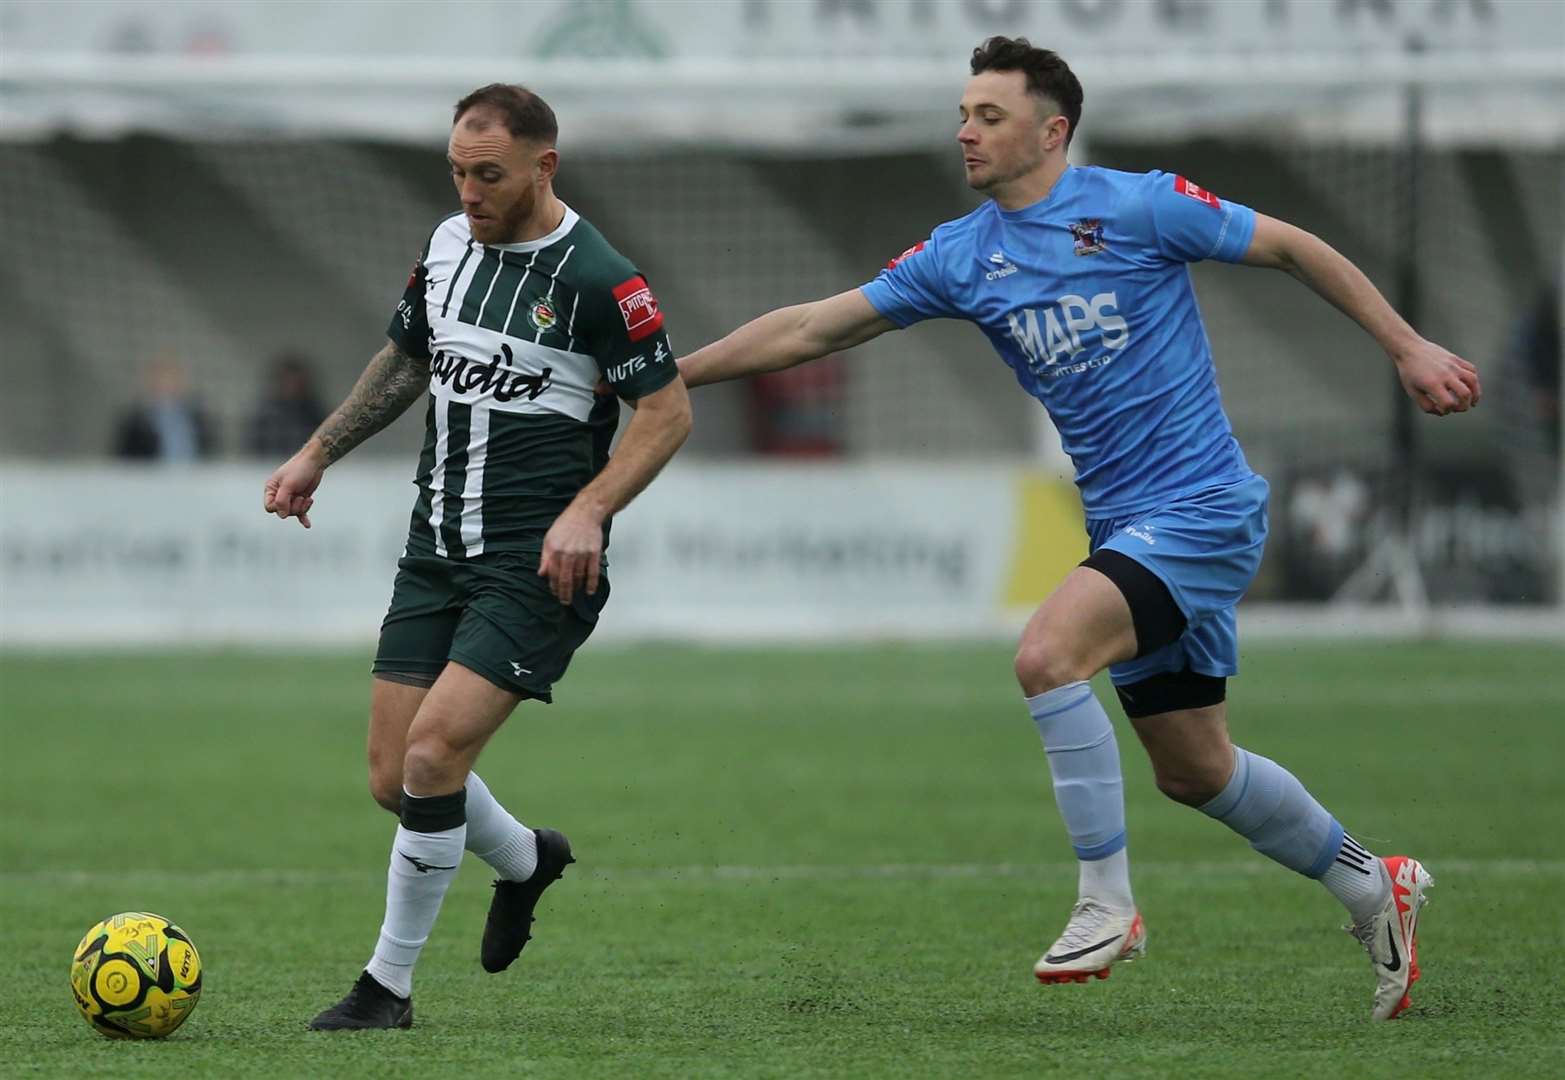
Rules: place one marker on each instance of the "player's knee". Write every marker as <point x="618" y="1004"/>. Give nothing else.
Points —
<point x="1044" y="662"/>
<point x="1192" y="785"/>
<point x="430" y="763"/>
<point x="386" y="788"/>
<point x="385" y="775"/>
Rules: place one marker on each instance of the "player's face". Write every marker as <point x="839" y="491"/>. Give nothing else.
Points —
<point x="498" y="178"/>
<point x="1005" y="132"/>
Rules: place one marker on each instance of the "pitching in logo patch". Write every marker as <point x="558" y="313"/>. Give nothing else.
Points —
<point x="639" y="307"/>
<point x="543" y="316"/>
<point x="914" y="250"/>
<point x="1197" y="192"/>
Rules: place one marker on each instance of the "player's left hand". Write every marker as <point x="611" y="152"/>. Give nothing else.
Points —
<point x="1438" y="381"/>
<point x="572" y="553"/>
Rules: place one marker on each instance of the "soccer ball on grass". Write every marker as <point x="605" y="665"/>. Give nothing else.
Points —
<point x="136" y="976"/>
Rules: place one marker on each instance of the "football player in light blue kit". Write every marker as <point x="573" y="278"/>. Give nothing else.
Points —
<point x="1078" y="278"/>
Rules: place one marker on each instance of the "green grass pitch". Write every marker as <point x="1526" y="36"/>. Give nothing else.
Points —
<point x="791" y="863"/>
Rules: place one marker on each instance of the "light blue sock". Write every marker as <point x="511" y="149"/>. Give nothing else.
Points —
<point x="1266" y="804"/>
<point x="1084" y="762"/>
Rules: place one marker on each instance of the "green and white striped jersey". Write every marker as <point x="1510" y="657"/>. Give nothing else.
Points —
<point x="530" y="348"/>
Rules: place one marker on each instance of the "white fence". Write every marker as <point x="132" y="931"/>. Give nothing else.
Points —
<point x="106" y="556"/>
<point x="123" y="555"/>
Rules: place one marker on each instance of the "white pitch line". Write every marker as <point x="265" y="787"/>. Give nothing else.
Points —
<point x="697" y="874"/>
<point x="943" y="871"/>
<point x="1254" y="697"/>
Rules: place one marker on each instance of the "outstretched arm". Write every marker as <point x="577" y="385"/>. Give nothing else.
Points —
<point x="1438" y="381"/>
<point x="573" y="546"/>
<point x="785" y="337"/>
<point x="391" y="382"/>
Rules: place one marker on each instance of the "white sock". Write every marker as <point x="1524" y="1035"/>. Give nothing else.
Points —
<point x="1107" y="880"/>
<point x="496" y="837"/>
<point x="422" y="868"/>
<point x="1358" y="879"/>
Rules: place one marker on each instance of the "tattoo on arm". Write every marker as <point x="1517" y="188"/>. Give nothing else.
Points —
<point x="392" y="381"/>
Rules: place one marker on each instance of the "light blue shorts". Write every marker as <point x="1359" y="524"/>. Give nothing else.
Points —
<point x="1206" y="549"/>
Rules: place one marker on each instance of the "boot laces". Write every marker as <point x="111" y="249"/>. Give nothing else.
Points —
<point x="1086" y="924"/>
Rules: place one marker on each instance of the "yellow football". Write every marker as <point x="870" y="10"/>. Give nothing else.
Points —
<point x="136" y="976"/>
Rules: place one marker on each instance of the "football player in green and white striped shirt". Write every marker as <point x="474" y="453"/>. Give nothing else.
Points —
<point x="522" y="329"/>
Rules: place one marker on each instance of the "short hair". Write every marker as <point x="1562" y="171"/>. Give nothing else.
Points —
<point x="1048" y="75"/>
<point x="526" y="115"/>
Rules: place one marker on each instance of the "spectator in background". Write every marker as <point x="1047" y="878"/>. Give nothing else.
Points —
<point x="288" y="414"/>
<point x="799" y="411"/>
<point x="168" y="424"/>
<point x="1530" y="398"/>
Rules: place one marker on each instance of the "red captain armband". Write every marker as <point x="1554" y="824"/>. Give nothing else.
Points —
<point x="914" y="250"/>
<point x="639" y="307"/>
<point x="1197" y="192"/>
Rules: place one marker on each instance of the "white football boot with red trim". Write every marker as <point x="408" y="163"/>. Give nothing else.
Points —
<point x="1096" y="937"/>
<point x="1391" y="936"/>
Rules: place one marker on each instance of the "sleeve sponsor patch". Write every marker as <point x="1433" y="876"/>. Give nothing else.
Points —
<point x="418" y="264"/>
<point x="405" y="311"/>
<point x="618" y="373"/>
<point x="1197" y="192"/>
<point x="914" y="250"/>
<point x="643" y="317"/>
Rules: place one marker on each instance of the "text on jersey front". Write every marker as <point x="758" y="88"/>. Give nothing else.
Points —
<point x="1050" y="334"/>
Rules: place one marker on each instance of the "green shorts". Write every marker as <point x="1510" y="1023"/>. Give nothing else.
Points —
<point x="492" y="614"/>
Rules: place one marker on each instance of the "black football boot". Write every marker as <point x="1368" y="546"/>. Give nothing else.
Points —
<point x="509" y="926"/>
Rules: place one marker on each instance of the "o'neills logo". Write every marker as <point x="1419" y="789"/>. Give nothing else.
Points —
<point x="496" y="377"/>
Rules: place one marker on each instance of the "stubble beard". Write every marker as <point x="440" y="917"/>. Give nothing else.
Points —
<point x="996" y="178"/>
<point x="507" y="229"/>
<point x="517" y="216"/>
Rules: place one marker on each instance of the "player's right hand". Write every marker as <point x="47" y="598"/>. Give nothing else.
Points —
<point x="572" y="553"/>
<point x="289" y="491"/>
<point x="1438" y="381"/>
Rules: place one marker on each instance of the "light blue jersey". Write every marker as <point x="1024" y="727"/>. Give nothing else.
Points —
<point x="1087" y="297"/>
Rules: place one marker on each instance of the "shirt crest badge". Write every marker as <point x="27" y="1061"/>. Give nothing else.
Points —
<point x="1089" y="236"/>
<point x="542" y="315"/>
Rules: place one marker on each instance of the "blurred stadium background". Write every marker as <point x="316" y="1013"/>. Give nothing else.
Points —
<point x="192" y="193"/>
<point x="209" y="211"/>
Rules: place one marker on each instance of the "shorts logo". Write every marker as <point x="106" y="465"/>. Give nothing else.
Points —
<point x="1197" y="192"/>
<point x="914" y="250"/>
<point x="1089" y="236"/>
<point x="1142" y="533"/>
<point x="542" y="316"/>
<point x="639" y="307"/>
